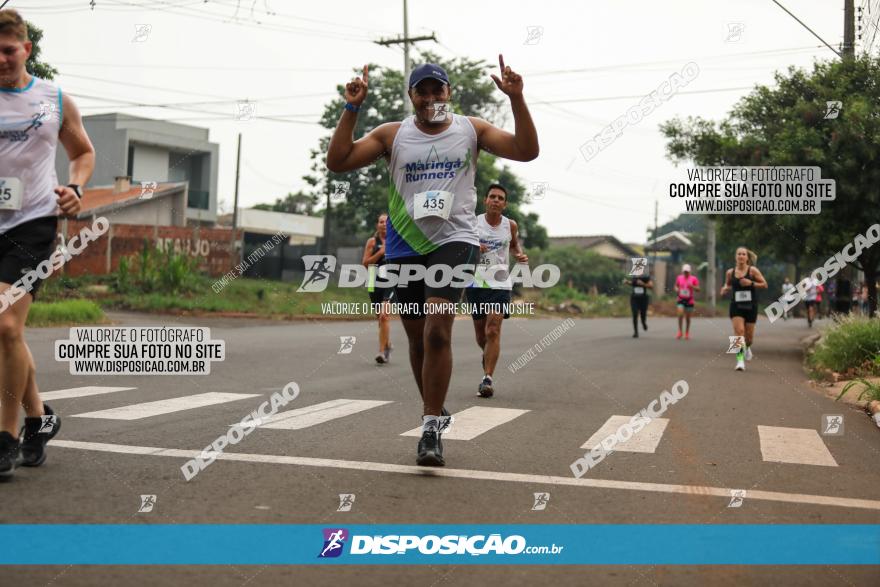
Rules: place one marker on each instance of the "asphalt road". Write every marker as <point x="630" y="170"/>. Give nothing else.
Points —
<point x="711" y="444"/>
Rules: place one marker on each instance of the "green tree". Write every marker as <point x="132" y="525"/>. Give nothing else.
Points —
<point x="33" y="65"/>
<point x="473" y="95"/>
<point x="583" y="269"/>
<point x="298" y="203"/>
<point x="785" y="125"/>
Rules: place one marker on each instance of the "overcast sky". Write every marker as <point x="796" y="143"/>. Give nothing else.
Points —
<point x="205" y="55"/>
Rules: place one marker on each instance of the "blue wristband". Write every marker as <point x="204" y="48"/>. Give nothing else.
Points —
<point x="351" y="107"/>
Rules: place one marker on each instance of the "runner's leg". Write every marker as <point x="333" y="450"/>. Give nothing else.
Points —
<point x="384" y="327"/>
<point x="739" y="330"/>
<point x="33" y="405"/>
<point x="749" y="332"/>
<point x="15" y="361"/>
<point x="634" y="308"/>
<point x="480" y="333"/>
<point x="415" y="334"/>
<point x="437" y="362"/>
<point x="493" y="341"/>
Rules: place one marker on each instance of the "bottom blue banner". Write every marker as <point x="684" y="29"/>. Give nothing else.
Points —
<point x="647" y="544"/>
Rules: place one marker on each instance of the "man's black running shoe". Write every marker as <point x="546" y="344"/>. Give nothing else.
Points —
<point x="35" y="433"/>
<point x="10" y="454"/>
<point x="430" y="450"/>
<point x="485" y="389"/>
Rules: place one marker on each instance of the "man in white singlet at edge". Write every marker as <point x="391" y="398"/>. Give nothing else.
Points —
<point x="432" y="161"/>
<point x="34" y="117"/>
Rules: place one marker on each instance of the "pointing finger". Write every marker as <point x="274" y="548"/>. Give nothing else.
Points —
<point x="501" y="62"/>
<point x="365" y="74"/>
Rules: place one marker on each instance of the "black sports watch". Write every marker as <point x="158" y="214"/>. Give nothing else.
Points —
<point x="76" y="189"/>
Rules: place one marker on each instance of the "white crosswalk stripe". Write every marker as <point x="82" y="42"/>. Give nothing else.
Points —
<point x="319" y="413"/>
<point x="80" y="392"/>
<point x="802" y="446"/>
<point x="473" y="422"/>
<point x="646" y="440"/>
<point x="166" y="406"/>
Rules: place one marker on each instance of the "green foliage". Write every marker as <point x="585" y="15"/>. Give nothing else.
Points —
<point x="579" y="268"/>
<point x="871" y="390"/>
<point x="33" y="65"/>
<point x="298" y="203"/>
<point x="156" y="271"/>
<point x="64" y="312"/>
<point x="785" y="125"/>
<point x="852" y="344"/>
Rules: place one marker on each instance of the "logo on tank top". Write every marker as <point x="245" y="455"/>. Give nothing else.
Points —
<point x="493" y="244"/>
<point x="21" y="135"/>
<point x="435" y="168"/>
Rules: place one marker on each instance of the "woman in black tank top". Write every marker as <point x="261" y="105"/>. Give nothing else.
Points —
<point x="743" y="281"/>
<point x="374" y="260"/>
<point x="638" y="300"/>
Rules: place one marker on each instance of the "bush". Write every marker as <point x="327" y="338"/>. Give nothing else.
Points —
<point x="156" y="271"/>
<point x="849" y="346"/>
<point x="65" y="312"/>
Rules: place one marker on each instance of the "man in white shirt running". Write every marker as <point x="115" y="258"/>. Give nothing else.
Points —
<point x="490" y="292"/>
<point x="432" y="160"/>
<point x="34" y="117"/>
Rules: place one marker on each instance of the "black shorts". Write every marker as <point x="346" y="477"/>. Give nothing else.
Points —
<point x="380" y="294"/>
<point x="417" y="292"/>
<point x="25" y="246"/>
<point x="638" y="302"/>
<point x="481" y="297"/>
<point x="750" y="315"/>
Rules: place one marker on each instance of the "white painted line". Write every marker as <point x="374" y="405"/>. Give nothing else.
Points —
<point x="166" y="406"/>
<point x="646" y="440"/>
<point x="319" y="413"/>
<point x="801" y="446"/>
<point x="81" y="392"/>
<point x="539" y="480"/>
<point x="472" y="422"/>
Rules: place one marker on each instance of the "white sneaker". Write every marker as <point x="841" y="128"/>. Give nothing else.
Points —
<point x="740" y="365"/>
<point x="748" y="353"/>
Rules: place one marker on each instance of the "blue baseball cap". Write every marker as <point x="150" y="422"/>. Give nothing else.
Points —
<point x="428" y="70"/>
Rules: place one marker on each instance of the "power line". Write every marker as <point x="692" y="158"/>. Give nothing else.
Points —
<point x="604" y="98"/>
<point x="768" y="53"/>
<point x="199" y="67"/>
<point x="221" y="115"/>
<point x="836" y="52"/>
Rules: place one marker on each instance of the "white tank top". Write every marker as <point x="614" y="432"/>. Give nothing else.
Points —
<point x="495" y="260"/>
<point x="30" y="119"/>
<point x="432" y="198"/>
<point x="812" y="291"/>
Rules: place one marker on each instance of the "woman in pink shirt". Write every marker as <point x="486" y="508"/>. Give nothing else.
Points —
<point x="685" y="286"/>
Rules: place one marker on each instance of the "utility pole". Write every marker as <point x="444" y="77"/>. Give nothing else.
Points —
<point x="658" y="288"/>
<point x="405" y="41"/>
<point x="235" y="203"/>
<point x="710" y="255"/>
<point x="326" y="242"/>
<point x="849" y="29"/>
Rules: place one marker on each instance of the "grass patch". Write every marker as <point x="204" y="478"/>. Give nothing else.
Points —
<point x="65" y="312"/>
<point x="850" y="347"/>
